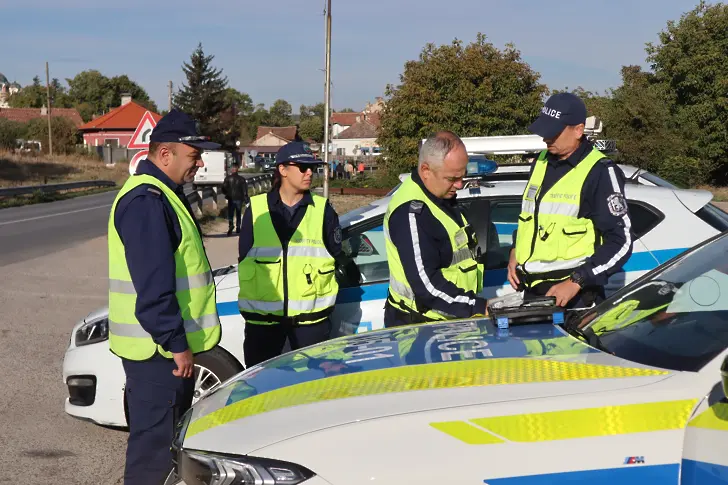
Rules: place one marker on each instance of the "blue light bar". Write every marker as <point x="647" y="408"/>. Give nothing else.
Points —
<point x="479" y="165"/>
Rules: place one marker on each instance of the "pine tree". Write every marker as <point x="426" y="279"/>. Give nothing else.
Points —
<point x="204" y="98"/>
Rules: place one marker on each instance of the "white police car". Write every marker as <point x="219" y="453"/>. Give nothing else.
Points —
<point x="665" y="221"/>
<point x="628" y="392"/>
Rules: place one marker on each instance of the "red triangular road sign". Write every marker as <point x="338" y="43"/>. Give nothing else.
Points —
<point x="140" y="138"/>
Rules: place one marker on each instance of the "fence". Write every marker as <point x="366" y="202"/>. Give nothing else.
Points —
<point x="30" y="189"/>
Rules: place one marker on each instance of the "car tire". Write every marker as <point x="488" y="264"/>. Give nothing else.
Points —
<point x="217" y="361"/>
<point x="220" y="364"/>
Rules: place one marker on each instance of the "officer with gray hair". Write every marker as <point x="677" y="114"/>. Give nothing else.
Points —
<point x="433" y="272"/>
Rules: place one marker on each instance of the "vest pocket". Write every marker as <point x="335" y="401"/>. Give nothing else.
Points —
<point x="325" y="278"/>
<point x="467" y="275"/>
<point x="574" y="241"/>
<point x="268" y="282"/>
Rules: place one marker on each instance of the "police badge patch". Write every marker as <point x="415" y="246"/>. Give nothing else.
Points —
<point x="617" y="205"/>
<point x="337" y="235"/>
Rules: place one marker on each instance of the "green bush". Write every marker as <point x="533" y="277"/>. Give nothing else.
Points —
<point x="684" y="171"/>
<point x="10" y="131"/>
<point x="65" y="134"/>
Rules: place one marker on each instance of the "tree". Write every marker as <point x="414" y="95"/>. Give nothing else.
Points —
<point x="65" y="134"/>
<point x="347" y="110"/>
<point x="10" y="132"/>
<point x="690" y="61"/>
<point x="473" y="90"/>
<point x="280" y="113"/>
<point x="92" y="93"/>
<point x="205" y="97"/>
<point x="36" y="96"/>
<point x="312" y="128"/>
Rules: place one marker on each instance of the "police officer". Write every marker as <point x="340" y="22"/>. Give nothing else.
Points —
<point x="574" y="229"/>
<point x="162" y="307"/>
<point x="288" y="246"/>
<point x="432" y="272"/>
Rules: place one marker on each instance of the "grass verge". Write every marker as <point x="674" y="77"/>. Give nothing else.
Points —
<point x="39" y="197"/>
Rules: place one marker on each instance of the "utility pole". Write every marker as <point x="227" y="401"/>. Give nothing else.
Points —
<point x="170" y="95"/>
<point x="48" y="93"/>
<point x="327" y="102"/>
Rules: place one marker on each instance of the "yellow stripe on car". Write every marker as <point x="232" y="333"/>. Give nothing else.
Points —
<point x="414" y="378"/>
<point x="715" y="417"/>
<point x="579" y="423"/>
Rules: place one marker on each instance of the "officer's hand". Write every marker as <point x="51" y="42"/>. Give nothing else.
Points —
<point x="564" y="292"/>
<point x="185" y="364"/>
<point x="512" y="276"/>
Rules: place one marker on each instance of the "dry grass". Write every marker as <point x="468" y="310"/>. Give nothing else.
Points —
<point x="720" y="194"/>
<point x="18" y="170"/>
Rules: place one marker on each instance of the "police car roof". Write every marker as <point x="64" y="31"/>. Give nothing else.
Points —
<point x="653" y="195"/>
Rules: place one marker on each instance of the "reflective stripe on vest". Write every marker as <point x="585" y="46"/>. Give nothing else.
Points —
<point x="194" y="290"/>
<point x="551" y="238"/>
<point x="298" y="282"/>
<point x="463" y="271"/>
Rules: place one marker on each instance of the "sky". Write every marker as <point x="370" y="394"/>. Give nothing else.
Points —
<point x="276" y="48"/>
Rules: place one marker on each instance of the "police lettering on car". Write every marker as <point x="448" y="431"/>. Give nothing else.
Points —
<point x="574" y="229"/>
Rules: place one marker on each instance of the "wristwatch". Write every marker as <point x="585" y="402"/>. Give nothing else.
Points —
<point x="577" y="278"/>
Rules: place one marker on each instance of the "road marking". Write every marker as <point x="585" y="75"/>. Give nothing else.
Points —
<point x="54" y="215"/>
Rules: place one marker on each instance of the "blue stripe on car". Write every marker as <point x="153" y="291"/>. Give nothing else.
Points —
<point x="627" y="475"/>
<point x="640" y="261"/>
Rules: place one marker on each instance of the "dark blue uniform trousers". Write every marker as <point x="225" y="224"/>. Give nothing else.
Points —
<point x="156" y="399"/>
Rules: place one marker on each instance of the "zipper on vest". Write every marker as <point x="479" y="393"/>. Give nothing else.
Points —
<point x="537" y="206"/>
<point x="285" y="280"/>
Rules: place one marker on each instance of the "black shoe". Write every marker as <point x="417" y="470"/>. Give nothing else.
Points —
<point x="230" y="231"/>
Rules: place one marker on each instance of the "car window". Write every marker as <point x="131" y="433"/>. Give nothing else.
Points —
<point x="503" y="222"/>
<point x="365" y="245"/>
<point x="675" y="319"/>
<point x="644" y="217"/>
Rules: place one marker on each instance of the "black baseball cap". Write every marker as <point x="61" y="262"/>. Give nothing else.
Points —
<point x="178" y="127"/>
<point x="296" y="151"/>
<point x="561" y="110"/>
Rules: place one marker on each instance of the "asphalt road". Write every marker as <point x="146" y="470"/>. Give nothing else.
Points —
<point x="34" y="230"/>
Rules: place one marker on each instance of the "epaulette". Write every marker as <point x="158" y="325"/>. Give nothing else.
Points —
<point x="155" y="191"/>
<point x="416" y="206"/>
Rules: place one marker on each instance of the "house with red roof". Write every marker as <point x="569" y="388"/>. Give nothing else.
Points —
<point x="24" y="115"/>
<point x="116" y="127"/>
<point x="359" y="139"/>
<point x="269" y="139"/>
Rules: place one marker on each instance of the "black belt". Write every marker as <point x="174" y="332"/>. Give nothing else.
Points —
<point x="405" y="313"/>
<point x="294" y="321"/>
<point x="528" y="278"/>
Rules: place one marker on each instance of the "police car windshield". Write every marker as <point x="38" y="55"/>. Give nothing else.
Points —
<point x="676" y="319"/>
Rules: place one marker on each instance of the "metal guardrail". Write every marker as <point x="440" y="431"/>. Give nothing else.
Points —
<point x="30" y="189"/>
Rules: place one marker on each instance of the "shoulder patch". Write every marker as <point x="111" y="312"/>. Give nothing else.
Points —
<point x="606" y="161"/>
<point x="616" y="204"/>
<point x="337" y="235"/>
<point x="416" y="206"/>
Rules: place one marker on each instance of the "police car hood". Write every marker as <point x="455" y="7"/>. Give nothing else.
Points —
<point x="404" y="370"/>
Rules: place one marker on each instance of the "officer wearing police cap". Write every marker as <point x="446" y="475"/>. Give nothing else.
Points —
<point x="162" y="308"/>
<point x="290" y="240"/>
<point x="574" y="230"/>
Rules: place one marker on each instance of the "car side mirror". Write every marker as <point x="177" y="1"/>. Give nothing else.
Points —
<point x="724" y="374"/>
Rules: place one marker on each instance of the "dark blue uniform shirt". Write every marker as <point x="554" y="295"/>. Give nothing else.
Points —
<point x="424" y="248"/>
<point x="285" y="221"/>
<point x="603" y="202"/>
<point x="151" y="233"/>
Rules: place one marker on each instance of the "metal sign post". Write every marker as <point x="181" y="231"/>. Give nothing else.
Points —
<point x="327" y="101"/>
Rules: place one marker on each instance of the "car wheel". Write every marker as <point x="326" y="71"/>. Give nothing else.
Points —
<point x="212" y="368"/>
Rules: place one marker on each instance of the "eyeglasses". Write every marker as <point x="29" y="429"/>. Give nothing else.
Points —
<point x="303" y="168"/>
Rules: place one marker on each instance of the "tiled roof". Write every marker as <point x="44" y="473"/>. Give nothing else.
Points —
<point x="360" y="129"/>
<point x="344" y="119"/>
<point x="125" y="117"/>
<point x="285" y="132"/>
<point x="23" y="115"/>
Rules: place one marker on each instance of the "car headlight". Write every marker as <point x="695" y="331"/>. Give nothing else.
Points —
<point x="203" y="468"/>
<point x="92" y="332"/>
